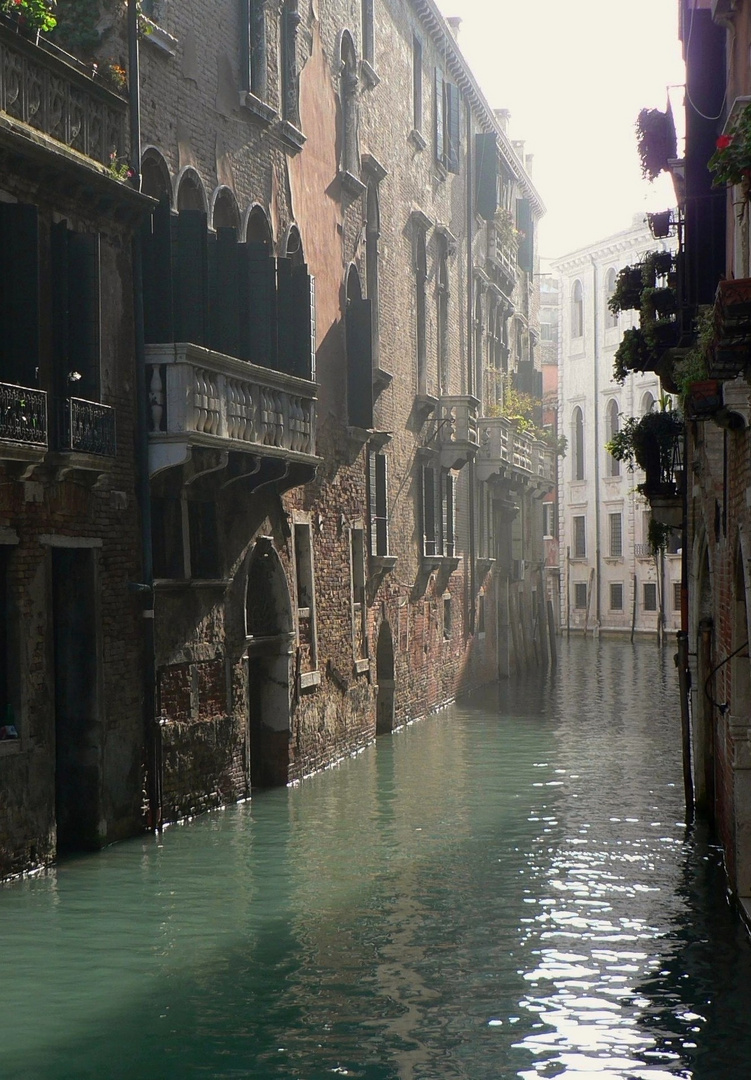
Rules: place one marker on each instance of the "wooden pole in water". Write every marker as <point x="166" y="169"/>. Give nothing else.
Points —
<point x="551" y="633"/>
<point x="681" y="660"/>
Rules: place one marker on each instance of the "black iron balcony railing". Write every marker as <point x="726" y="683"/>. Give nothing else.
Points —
<point x="23" y="415"/>
<point x="88" y="428"/>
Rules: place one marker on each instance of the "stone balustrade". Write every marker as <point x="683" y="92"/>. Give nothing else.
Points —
<point x="508" y="453"/>
<point x="456" y="429"/>
<point x="200" y="397"/>
<point x="41" y="87"/>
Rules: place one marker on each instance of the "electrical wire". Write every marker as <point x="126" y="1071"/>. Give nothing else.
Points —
<point x="694" y="106"/>
<point x="721" y="706"/>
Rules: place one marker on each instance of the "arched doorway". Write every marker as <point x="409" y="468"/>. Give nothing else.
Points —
<point x="268" y="621"/>
<point x="385" y="680"/>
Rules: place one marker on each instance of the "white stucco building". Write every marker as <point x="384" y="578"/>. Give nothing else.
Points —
<point x="610" y="581"/>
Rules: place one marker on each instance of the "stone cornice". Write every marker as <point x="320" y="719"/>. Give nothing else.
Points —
<point x="612" y="247"/>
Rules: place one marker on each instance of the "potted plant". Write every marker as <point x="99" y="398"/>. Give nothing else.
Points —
<point x="626" y="294"/>
<point x="633" y="354"/>
<point x="731" y="161"/>
<point x="660" y="224"/>
<point x="33" y="15"/>
<point x="650" y="442"/>
<point x="656" y="264"/>
<point x="655" y="141"/>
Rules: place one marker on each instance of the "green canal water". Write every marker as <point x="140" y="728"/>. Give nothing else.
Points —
<point x="506" y="889"/>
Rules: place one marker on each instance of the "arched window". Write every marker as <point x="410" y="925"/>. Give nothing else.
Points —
<point x="577" y="310"/>
<point x="294" y="247"/>
<point x="155" y="178"/>
<point x="612" y="425"/>
<point x="190" y="193"/>
<point x="258" y="230"/>
<point x="577" y="439"/>
<point x="350" y="162"/>
<point x="611" y="320"/>
<point x="226" y="214"/>
<point x="647" y="403"/>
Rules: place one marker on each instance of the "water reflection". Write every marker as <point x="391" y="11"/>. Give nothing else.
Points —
<point x="505" y="890"/>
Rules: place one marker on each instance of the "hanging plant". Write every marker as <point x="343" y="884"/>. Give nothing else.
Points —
<point x="658" y="536"/>
<point x="731" y="161"/>
<point x="655" y="141"/>
<point x="656" y="264"/>
<point x="626" y="294"/>
<point x="648" y="442"/>
<point x="633" y="354"/>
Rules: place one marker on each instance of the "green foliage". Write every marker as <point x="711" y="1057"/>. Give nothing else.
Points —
<point x="633" y="354"/>
<point x="655" y="142"/>
<point x="648" y="442"/>
<point x="77" y="28"/>
<point x="33" y="14"/>
<point x="731" y="161"/>
<point x="626" y="294"/>
<point x="693" y="367"/>
<point x="658" y="536"/>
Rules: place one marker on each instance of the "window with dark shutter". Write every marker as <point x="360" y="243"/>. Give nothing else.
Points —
<point x="417" y="85"/>
<point x="75" y="312"/>
<point x="224" y="293"/>
<point x="440" y="137"/>
<point x="429" y="532"/>
<point x="19" y="294"/>
<point x="290" y="22"/>
<point x="359" y="363"/>
<point x="378" y="499"/>
<point x="486" y="167"/>
<point x="190" y="276"/>
<point x="204" y="540"/>
<point x="452" y="127"/>
<point x="448" y="514"/>
<point x="157" y="276"/>
<point x="259" y="311"/>
<point x="525" y="225"/>
<point x="253" y="59"/>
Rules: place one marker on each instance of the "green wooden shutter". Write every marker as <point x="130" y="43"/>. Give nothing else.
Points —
<point x="440" y="146"/>
<point x="156" y="246"/>
<point x="359" y="363"/>
<point x="224" y="293"/>
<point x="260" y="307"/>
<point x="19" y="294"/>
<point x="84" y="313"/>
<point x="525" y="225"/>
<point x="486" y="167"/>
<point x="453" y="127"/>
<point x="190" y="276"/>
<point x="285" y="332"/>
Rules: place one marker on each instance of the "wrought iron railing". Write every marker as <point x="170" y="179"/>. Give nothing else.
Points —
<point x="23" y="415"/>
<point x="88" y="428"/>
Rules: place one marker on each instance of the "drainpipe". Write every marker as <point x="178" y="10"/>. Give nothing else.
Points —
<point x="471" y="374"/>
<point x="598" y="553"/>
<point x="151" y="728"/>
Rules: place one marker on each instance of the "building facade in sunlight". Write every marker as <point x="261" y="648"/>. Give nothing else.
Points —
<point x="333" y="351"/>
<point x="611" y="580"/>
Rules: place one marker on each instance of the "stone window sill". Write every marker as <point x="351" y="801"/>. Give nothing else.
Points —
<point x="309" y="679"/>
<point x="263" y="112"/>
<point x="350" y="183"/>
<point x="153" y="34"/>
<point x="417" y="139"/>
<point x="362" y="666"/>
<point x="291" y="136"/>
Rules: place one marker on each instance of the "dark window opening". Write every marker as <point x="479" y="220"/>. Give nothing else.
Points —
<point x="204" y="540"/>
<point x="378" y="499"/>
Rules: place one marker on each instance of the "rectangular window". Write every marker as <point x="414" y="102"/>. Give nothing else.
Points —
<point x="378" y="500"/>
<point x="306" y="610"/>
<point x="167" y="537"/>
<point x="447" y="123"/>
<point x="367" y="31"/>
<point x="359" y="607"/>
<point x="417" y="85"/>
<point x="76" y="312"/>
<point x="548" y="519"/>
<point x="650" y="596"/>
<point x="580" y="595"/>
<point x="676" y="596"/>
<point x="448" y="513"/>
<point x="481" y="614"/>
<point x="580" y="537"/>
<point x="616" y="596"/>
<point x="254" y="48"/>
<point x="616" y="536"/>
<point x="429" y="531"/>
<point x="446" y="617"/>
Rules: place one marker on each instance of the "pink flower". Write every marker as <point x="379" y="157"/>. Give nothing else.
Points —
<point x="724" y="142"/>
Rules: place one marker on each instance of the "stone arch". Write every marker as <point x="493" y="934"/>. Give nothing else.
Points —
<point x="190" y="193"/>
<point x="385" y="680"/>
<point x="155" y="176"/>
<point x="257" y="227"/>
<point x="270" y="638"/>
<point x="225" y="213"/>
<point x="612" y="426"/>
<point x="293" y="248"/>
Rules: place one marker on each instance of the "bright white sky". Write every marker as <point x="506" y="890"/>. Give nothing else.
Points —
<point x="574" y="76"/>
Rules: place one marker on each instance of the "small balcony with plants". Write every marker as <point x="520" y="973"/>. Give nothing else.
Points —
<point x="513" y="448"/>
<point x="654" y="444"/>
<point x="649" y="287"/>
<point x="503" y="248"/>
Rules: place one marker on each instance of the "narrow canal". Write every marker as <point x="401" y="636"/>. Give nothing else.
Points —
<point x="504" y="890"/>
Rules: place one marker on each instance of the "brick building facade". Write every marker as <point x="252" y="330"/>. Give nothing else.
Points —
<point x="339" y="296"/>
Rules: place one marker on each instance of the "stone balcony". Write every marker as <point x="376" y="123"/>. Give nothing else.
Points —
<point x="506" y="453"/>
<point x="502" y="256"/>
<point x="456" y="431"/>
<point x="48" y="91"/>
<point x="242" y="419"/>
